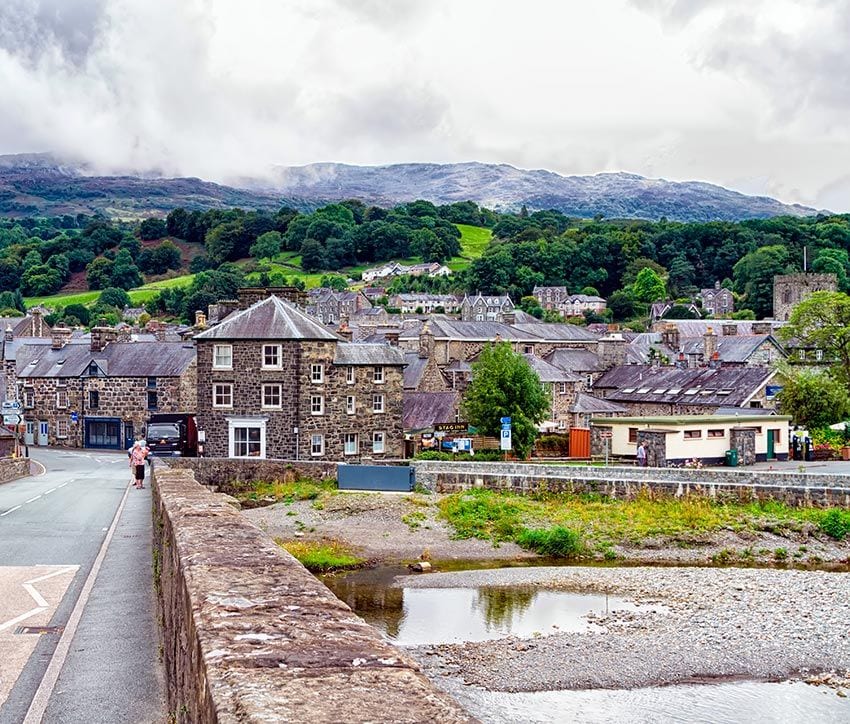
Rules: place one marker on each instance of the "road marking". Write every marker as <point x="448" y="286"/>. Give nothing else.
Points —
<point x="11" y="510"/>
<point x="41" y="465"/>
<point x="62" y="486"/>
<point x="51" y="676"/>
<point x="48" y="492"/>
<point x="40" y="602"/>
<point x="32" y="500"/>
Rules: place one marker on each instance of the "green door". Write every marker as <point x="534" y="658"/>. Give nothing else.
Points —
<point x="770" y="454"/>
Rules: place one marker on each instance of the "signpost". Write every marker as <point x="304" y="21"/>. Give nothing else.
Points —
<point x="505" y="440"/>
<point x="11" y="412"/>
<point x="606" y="435"/>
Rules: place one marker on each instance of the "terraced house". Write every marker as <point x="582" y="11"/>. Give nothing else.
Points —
<point x="274" y="382"/>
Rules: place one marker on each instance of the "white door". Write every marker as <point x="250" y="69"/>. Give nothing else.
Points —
<point x="43" y="427"/>
<point x="29" y="435"/>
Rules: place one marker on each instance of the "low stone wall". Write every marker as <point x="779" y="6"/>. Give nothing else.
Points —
<point x="249" y="635"/>
<point x="627" y="482"/>
<point x="226" y="474"/>
<point x="13" y="468"/>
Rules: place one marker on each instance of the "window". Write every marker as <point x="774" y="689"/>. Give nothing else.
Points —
<point x="378" y="442"/>
<point x="151" y="383"/>
<point x="693" y="434"/>
<point x="378" y="375"/>
<point x="479" y="317"/>
<point x="819" y="355"/>
<point x="317" y="405"/>
<point x="349" y="375"/>
<point x="317" y="445"/>
<point x="272" y="396"/>
<point x="62" y="399"/>
<point x="377" y="403"/>
<point x="717" y="433"/>
<point x="632" y="434"/>
<point x="62" y="428"/>
<point x="755" y="404"/>
<point x="562" y="388"/>
<point x="349" y="405"/>
<point x="271" y="356"/>
<point x="589" y="380"/>
<point x="29" y="398"/>
<point x="247" y="441"/>
<point x="222" y="357"/>
<point x="223" y="395"/>
<point x="350" y="443"/>
<point x="317" y="374"/>
<point x="528" y="349"/>
<point x="153" y="399"/>
<point x="94" y="399"/>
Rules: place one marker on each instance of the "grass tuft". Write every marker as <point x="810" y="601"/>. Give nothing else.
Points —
<point x="322" y="556"/>
<point x="557" y="542"/>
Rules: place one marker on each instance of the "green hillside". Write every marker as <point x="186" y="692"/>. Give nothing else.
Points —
<point x="139" y="295"/>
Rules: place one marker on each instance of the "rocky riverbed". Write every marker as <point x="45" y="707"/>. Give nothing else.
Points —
<point x="711" y="624"/>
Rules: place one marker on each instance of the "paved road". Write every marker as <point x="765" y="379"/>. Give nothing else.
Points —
<point x="75" y="553"/>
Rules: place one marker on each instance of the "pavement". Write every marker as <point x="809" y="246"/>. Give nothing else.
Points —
<point x="75" y="557"/>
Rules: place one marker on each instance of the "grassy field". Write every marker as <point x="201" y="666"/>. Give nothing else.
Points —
<point x="139" y="295"/>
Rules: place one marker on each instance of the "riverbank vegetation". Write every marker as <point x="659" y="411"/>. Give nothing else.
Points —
<point x="256" y="494"/>
<point x="322" y="556"/>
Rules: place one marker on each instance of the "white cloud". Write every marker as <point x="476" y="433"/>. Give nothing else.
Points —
<point x="751" y="96"/>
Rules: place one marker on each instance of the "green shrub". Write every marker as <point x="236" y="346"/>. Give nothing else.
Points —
<point x="557" y="542"/>
<point x="836" y="523"/>
<point x="482" y="514"/>
<point x="322" y="556"/>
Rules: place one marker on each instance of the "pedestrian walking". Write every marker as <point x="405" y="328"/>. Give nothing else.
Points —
<point x="138" y="455"/>
<point x="641" y="455"/>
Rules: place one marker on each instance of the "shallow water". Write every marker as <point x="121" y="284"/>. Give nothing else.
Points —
<point x="728" y="703"/>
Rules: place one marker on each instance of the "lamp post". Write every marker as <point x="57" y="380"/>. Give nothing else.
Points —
<point x="295" y="430"/>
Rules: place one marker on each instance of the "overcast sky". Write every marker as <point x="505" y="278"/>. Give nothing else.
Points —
<point x="752" y="95"/>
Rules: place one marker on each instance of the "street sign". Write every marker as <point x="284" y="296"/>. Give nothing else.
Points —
<point x="505" y="440"/>
<point x="606" y="434"/>
<point x="75" y="417"/>
<point x="506" y="421"/>
<point x="451" y="427"/>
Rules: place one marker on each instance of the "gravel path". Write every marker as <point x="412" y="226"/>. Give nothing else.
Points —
<point x="715" y="624"/>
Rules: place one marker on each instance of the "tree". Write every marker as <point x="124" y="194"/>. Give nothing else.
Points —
<point x="504" y="385"/>
<point x="99" y="273"/>
<point x="40" y="279"/>
<point x="125" y="273"/>
<point x="833" y="261"/>
<point x="822" y="321"/>
<point x="814" y="399"/>
<point x="649" y="286"/>
<point x="754" y="277"/>
<point x="333" y="281"/>
<point x="267" y="245"/>
<point x="114" y="297"/>
<point x="79" y="311"/>
<point x="312" y="255"/>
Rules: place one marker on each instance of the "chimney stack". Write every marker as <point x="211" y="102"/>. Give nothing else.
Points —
<point x="709" y="345"/>
<point x="60" y="336"/>
<point x="611" y="350"/>
<point x="670" y="336"/>
<point x="37" y="323"/>
<point x="9" y="334"/>
<point x="200" y="319"/>
<point x="729" y="329"/>
<point x="426" y="341"/>
<point x="101" y="337"/>
<point x="392" y="337"/>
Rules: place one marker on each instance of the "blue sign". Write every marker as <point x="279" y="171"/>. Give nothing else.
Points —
<point x="75" y="417"/>
<point x="506" y="420"/>
<point x="772" y="390"/>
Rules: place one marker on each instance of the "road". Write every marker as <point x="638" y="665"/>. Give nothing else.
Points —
<point x="75" y="554"/>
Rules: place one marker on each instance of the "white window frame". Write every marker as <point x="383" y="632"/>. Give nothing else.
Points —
<point x="819" y="355"/>
<point x="321" y="439"/>
<point x="223" y="385"/>
<point x="29" y="398"/>
<point x="562" y="388"/>
<point x="269" y="386"/>
<point x="321" y="405"/>
<point x="350" y="405"/>
<point x="61" y="423"/>
<point x="379" y="442"/>
<point x="350" y="438"/>
<point x="277" y="351"/>
<point x="378" y="376"/>
<point x="246" y="422"/>
<point x="60" y="395"/>
<point x="218" y="354"/>
<point x="349" y="375"/>
<point x="317" y="374"/>
<point x="378" y="404"/>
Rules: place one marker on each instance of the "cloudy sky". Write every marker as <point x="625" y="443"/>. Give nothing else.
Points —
<point x="754" y="96"/>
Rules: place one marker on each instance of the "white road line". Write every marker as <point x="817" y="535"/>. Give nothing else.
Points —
<point x="11" y="510"/>
<point x="62" y="486"/>
<point x="48" y="492"/>
<point x="22" y="617"/>
<point x="36" y="596"/>
<point x="32" y="500"/>
<point x="64" y="569"/>
<point x="51" y="676"/>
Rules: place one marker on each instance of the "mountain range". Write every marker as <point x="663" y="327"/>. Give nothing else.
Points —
<point x="39" y="184"/>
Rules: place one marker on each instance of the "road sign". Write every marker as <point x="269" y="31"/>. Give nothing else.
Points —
<point x="505" y="440"/>
<point x="506" y="421"/>
<point x="606" y="434"/>
<point x="11" y="405"/>
<point x="75" y="417"/>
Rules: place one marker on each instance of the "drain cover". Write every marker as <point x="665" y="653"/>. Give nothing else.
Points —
<point x="39" y="629"/>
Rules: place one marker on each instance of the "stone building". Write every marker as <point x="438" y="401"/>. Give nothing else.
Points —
<point x="717" y="302"/>
<point x="550" y="297"/>
<point x="791" y="289"/>
<point x="331" y="306"/>
<point x="276" y="383"/>
<point x="485" y="308"/>
<point x="100" y="394"/>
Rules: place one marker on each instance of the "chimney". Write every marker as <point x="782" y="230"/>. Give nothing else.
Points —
<point x="762" y="328"/>
<point x="60" y="336"/>
<point x="37" y="323"/>
<point x="426" y="341"/>
<point x="670" y="336"/>
<point x="392" y="337"/>
<point x="200" y="319"/>
<point x="714" y="363"/>
<point x="717" y="284"/>
<point x="681" y="362"/>
<point x="611" y="350"/>
<point x="709" y="345"/>
<point x="730" y="330"/>
<point x="102" y="336"/>
<point x="9" y="335"/>
<point x="509" y="317"/>
<point x="222" y="309"/>
<point x="344" y="330"/>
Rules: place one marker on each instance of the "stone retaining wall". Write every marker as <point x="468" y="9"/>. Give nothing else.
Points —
<point x="13" y="468"/>
<point x="225" y="474"/>
<point x="627" y="482"/>
<point x="249" y="635"/>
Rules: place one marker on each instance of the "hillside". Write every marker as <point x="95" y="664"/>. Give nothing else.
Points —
<point x="39" y="185"/>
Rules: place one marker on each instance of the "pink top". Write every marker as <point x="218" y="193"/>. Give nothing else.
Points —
<point x="138" y="455"/>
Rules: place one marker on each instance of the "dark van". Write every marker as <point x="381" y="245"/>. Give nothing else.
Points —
<point x="173" y="435"/>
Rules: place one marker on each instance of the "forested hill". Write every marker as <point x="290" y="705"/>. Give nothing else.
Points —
<point x="39" y="185"/>
<point x="505" y="188"/>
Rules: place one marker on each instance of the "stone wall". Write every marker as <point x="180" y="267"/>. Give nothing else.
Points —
<point x="13" y="468"/>
<point x="655" y="442"/>
<point x="250" y="635"/>
<point x="226" y="474"/>
<point x="626" y="482"/>
<point x="743" y="440"/>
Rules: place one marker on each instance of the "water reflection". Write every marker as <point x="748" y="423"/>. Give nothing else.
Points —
<point x="500" y="606"/>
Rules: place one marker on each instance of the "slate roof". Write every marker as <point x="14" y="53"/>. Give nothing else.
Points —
<point x="18" y="324"/>
<point x="422" y="410"/>
<point x="443" y="327"/>
<point x="698" y="327"/>
<point x="134" y="359"/>
<point x="360" y="353"/>
<point x="548" y="372"/>
<point x="270" y="318"/>
<point x="732" y="349"/>
<point x="414" y="370"/>
<point x="557" y="332"/>
<point x="575" y="360"/>
<point x="589" y="404"/>
<point x="723" y="386"/>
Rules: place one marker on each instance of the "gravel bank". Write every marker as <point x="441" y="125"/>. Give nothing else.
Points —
<point x="716" y="624"/>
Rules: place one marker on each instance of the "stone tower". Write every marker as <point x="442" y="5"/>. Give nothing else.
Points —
<point x="790" y="289"/>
